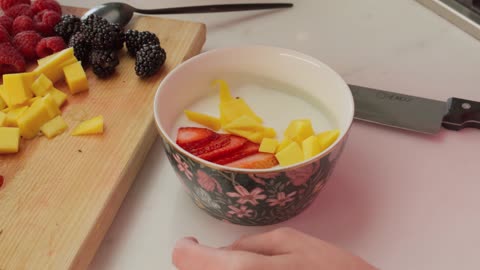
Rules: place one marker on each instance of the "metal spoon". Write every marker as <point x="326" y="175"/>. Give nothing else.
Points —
<point x="122" y="13"/>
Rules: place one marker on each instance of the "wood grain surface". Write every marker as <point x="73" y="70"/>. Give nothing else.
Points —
<point x="61" y="195"/>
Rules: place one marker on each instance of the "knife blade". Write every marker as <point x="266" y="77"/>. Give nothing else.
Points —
<point x="414" y="113"/>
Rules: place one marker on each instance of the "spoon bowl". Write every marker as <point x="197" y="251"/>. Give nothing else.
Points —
<point x="121" y="13"/>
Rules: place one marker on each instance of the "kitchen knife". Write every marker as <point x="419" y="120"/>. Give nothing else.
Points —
<point x="414" y="113"/>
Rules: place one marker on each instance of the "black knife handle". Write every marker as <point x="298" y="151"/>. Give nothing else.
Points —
<point x="461" y="114"/>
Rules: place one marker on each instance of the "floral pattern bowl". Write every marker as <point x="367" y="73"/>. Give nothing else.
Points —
<point x="242" y="196"/>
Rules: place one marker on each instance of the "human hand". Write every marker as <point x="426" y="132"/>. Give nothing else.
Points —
<point x="279" y="249"/>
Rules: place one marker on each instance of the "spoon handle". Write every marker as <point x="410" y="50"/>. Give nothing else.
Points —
<point x="214" y="8"/>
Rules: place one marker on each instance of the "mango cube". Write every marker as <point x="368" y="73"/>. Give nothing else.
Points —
<point x="41" y="85"/>
<point x="89" y="127"/>
<point x="17" y="88"/>
<point x="13" y="115"/>
<point x="9" y="140"/>
<point x="268" y="145"/>
<point x="311" y="147"/>
<point x="291" y="154"/>
<point x="327" y="138"/>
<point x="235" y="108"/>
<point x="284" y="143"/>
<point x="76" y="78"/>
<point x="4" y="97"/>
<point x="52" y="68"/>
<point x="3" y="118"/>
<point x="32" y="119"/>
<point x="3" y="104"/>
<point x="44" y="60"/>
<point x="50" y="105"/>
<point x="58" y="96"/>
<point x="204" y="119"/>
<point x="269" y="132"/>
<point x="225" y="95"/>
<point x="54" y="127"/>
<point x="253" y="136"/>
<point x="299" y="130"/>
<point x="32" y="100"/>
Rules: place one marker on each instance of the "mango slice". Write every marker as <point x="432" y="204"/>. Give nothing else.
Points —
<point x="32" y="100"/>
<point x="58" y="96"/>
<point x="41" y="85"/>
<point x="268" y="145"/>
<point x="9" y="140"/>
<point x="269" y="132"/>
<point x="204" y="119"/>
<point x="291" y="154"/>
<point x="225" y="95"/>
<point x="53" y="67"/>
<point x="17" y="87"/>
<point x="54" y="127"/>
<point x="13" y="115"/>
<point x="44" y="60"/>
<point x="32" y="119"/>
<point x="244" y="122"/>
<point x="3" y="104"/>
<point x="3" y="118"/>
<point x="311" y="147"/>
<point x="253" y="136"/>
<point x="300" y="129"/>
<point x="284" y="143"/>
<point x="76" y="78"/>
<point x="327" y="138"/>
<point x="232" y="110"/>
<point x="89" y="127"/>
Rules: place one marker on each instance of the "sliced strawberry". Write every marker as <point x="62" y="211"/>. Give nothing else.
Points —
<point x="248" y="149"/>
<point x="233" y="145"/>
<point x="256" y="161"/>
<point x="220" y="141"/>
<point x="192" y="137"/>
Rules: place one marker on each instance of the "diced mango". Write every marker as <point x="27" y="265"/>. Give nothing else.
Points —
<point x="232" y="110"/>
<point x="225" y="95"/>
<point x="268" y="145"/>
<point x="13" y="115"/>
<point x="17" y="88"/>
<point x="244" y="122"/>
<point x="291" y="154"/>
<point x="32" y="100"/>
<point x="311" y="147"/>
<point x="41" y="85"/>
<point x="54" y="127"/>
<point x="4" y="97"/>
<point x="76" y="78"/>
<point x="50" y="105"/>
<point x="32" y="119"/>
<point x="3" y="104"/>
<point x="53" y="67"/>
<point x="253" y="136"/>
<point x="58" y="96"/>
<point x="47" y="58"/>
<point x="284" y="143"/>
<point x="204" y="119"/>
<point x="3" y="119"/>
<point x="269" y="132"/>
<point x="9" y="140"/>
<point x="299" y="130"/>
<point x="89" y="127"/>
<point x="327" y="138"/>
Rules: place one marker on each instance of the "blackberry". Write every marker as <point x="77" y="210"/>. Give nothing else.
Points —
<point x="103" y="34"/>
<point x="67" y="26"/>
<point x="81" y="47"/>
<point x="149" y="59"/>
<point x="103" y="62"/>
<point x="134" y="40"/>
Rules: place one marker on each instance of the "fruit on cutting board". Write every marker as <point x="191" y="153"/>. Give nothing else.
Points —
<point x="89" y="127"/>
<point x="9" y="140"/>
<point x="17" y="88"/>
<point x="3" y="118"/>
<point x="76" y="78"/>
<point x="41" y="85"/>
<point x="54" y="127"/>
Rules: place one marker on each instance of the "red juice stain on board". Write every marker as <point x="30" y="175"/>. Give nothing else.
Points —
<point x="1" y="181"/>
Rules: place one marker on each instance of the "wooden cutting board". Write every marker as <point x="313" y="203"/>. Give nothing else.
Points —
<point x="61" y="195"/>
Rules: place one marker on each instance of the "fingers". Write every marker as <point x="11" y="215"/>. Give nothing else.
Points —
<point x="189" y="255"/>
<point x="278" y="242"/>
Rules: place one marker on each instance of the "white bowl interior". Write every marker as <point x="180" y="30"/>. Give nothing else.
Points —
<point x="298" y="74"/>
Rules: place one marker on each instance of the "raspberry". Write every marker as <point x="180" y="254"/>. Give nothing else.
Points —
<point x="50" y="45"/>
<point x="11" y="61"/>
<point x="22" y="23"/>
<point x="4" y="36"/>
<point x="26" y="42"/>
<point x="40" y="5"/>
<point x="6" y="22"/>
<point x="6" y="4"/>
<point x="19" y="10"/>
<point x="45" y="22"/>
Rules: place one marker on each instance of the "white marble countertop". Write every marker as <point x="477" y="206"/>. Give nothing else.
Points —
<point x="400" y="200"/>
